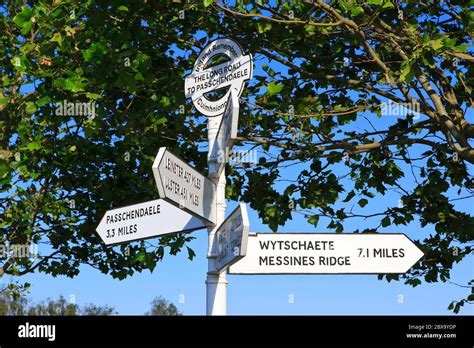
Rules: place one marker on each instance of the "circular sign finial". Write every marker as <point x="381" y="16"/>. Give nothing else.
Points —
<point x="204" y="79"/>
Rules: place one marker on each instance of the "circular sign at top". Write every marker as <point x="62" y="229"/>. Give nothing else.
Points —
<point x="204" y="78"/>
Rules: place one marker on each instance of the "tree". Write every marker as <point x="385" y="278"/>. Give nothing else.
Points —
<point x="12" y="298"/>
<point x="59" y="173"/>
<point x="327" y="68"/>
<point x="94" y="310"/>
<point x="161" y="306"/>
<point x="10" y="305"/>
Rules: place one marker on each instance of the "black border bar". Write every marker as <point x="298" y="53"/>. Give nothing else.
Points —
<point x="243" y="330"/>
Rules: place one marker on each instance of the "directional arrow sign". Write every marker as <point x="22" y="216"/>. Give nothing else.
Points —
<point x="145" y="220"/>
<point x="231" y="238"/>
<point x="308" y="253"/>
<point x="183" y="186"/>
<point x="226" y="134"/>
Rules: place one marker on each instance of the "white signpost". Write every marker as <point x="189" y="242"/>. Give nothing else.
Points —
<point x="204" y="79"/>
<point x="226" y="134"/>
<point x="184" y="186"/>
<point x="145" y="220"/>
<point x="231" y="238"/>
<point x="327" y="253"/>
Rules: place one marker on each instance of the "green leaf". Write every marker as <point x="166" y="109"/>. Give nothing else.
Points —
<point x="90" y="127"/>
<point x="428" y="59"/>
<point x="441" y="216"/>
<point x="208" y="3"/>
<point x="263" y="27"/>
<point x="407" y="73"/>
<point x="43" y="101"/>
<point x="385" y="221"/>
<point x="274" y="88"/>
<point x="165" y="101"/>
<point x="28" y="47"/>
<point x="23" y="19"/>
<point x="355" y="11"/>
<point x="122" y="8"/>
<point x="30" y="108"/>
<point x="363" y="202"/>
<point x="138" y="76"/>
<point x="4" y="101"/>
<point x="4" y="168"/>
<point x="160" y="121"/>
<point x="462" y="48"/>
<point x="436" y="44"/>
<point x="33" y="146"/>
<point x="73" y="84"/>
<point x="309" y="28"/>
<point x="313" y="220"/>
<point x="140" y="257"/>
<point x="349" y="196"/>
<point x="20" y="63"/>
<point x="345" y="5"/>
<point x="150" y="262"/>
<point x="93" y="96"/>
<point x="191" y="253"/>
<point x="96" y="50"/>
<point x="57" y="38"/>
<point x="375" y="2"/>
<point x="270" y="211"/>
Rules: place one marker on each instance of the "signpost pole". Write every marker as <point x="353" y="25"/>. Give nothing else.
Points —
<point x="216" y="283"/>
<point x="197" y="85"/>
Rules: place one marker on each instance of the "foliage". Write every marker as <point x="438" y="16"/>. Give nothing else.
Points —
<point x="161" y="306"/>
<point x="59" y="307"/>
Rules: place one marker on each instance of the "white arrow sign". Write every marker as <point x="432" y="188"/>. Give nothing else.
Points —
<point x="226" y="134"/>
<point x="231" y="238"/>
<point x="328" y="253"/>
<point x="145" y="220"/>
<point x="184" y="186"/>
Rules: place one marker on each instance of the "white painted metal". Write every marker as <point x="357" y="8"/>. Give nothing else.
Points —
<point x="231" y="74"/>
<point x="226" y="134"/>
<point x="204" y="78"/>
<point x="327" y="253"/>
<point x="216" y="283"/>
<point x="145" y="220"/>
<point x="184" y="186"/>
<point x="231" y="238"/>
